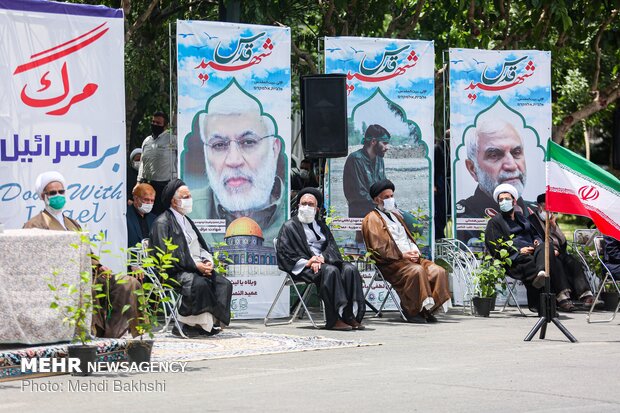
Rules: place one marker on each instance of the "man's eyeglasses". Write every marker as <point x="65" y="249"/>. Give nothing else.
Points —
<point x="246" y="144"/>
<point x="53" y="193"/>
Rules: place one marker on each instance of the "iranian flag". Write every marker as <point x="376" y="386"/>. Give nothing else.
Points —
<point x="579" y="187"/>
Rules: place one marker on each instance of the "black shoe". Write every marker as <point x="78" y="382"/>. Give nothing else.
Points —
<point x="431" y="318"/>
<point x="189" y="332"/>
<point x="214" y="331"/>
<point x="416" y="319"/>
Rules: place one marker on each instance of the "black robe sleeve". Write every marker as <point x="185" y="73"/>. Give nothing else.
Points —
<point x="495" y="231"/>
<point x="292" y="245"/>
<point x="164" y="227"/>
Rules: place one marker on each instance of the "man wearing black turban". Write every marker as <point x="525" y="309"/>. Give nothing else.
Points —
<point x="421" y="284"/>
<point x="307" y="250"/>
<point x="205" y="293"/>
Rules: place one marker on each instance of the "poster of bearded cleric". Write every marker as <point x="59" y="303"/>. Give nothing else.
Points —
<point x="234" y="114"/>
<point x="500" y="120"/>
<point x="390" y="86"/>
<point x="62" y="109"/>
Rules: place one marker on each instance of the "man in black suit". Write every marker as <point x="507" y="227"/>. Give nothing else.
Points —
<point x="579" y="287"/>
<point x="139" y="216"/>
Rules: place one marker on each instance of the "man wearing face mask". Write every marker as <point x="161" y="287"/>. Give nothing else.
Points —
<point x="206" y="295"/>
<point x="132" y="172"/>
<point x="579" y="287"/>
<point x="159" y="158"/>
<point x="307" y="250"/>
<point x="51" y="188"/>
<point x="421" y="284"/>
<point x="139" y="216"/>
<point x="528" y="256"/>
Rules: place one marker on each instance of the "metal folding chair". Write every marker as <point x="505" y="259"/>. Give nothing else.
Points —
<point x="301" y="302"/>
<point x="169" y="298"/>
<point x="512" y="288"/>
<point x="378" y="277"/>
<point x="301" y="299"/>
<point x="582" y="239"/>
<point x="609" y="279"/>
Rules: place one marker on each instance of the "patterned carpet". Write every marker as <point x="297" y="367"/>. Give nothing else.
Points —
<point x="232" y="344"/>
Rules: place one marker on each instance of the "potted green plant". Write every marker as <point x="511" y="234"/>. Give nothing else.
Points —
<point x="150" y="296"/>
<point x="76" y="303"/>
<point x="490" y="277"/>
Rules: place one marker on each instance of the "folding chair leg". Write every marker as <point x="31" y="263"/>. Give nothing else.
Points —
<point x="302" y="303"/>
<point x="598" y="294"/>
<point x="173" y="309"/>
<point x="511" y="294"/>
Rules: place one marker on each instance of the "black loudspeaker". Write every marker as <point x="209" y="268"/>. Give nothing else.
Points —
<point x="324" y="129"/>
<point x="616" y="138"/>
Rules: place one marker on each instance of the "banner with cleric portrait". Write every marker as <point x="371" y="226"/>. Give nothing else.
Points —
<point x="390" y="103"/>
<point x="234" y="117"/>
<point x="63" y="109"/>
<point x="500" y="120"/>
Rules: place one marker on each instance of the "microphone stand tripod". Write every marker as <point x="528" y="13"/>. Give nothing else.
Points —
<point x="548" y="313"/>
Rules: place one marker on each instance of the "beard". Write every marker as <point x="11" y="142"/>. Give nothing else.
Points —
<point x="255" y="196"/>
<point x="488" y="183"/>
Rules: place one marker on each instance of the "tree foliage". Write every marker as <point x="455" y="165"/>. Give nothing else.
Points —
<point x="583" y="37"/>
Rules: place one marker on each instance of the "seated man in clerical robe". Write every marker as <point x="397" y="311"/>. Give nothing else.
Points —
<point x="306" y="249"/>
<point x="51" y="189"/>
<point x="528" y="254"/>
<point x="206" y="295"/>
<point x="421" y="284"/>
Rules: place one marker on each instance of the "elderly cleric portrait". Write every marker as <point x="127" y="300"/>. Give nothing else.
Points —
<point x="495" y="152"/>
<point x="236" y="147"/>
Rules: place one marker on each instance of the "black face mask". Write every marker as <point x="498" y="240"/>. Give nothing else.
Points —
<point x="156" y="130"/>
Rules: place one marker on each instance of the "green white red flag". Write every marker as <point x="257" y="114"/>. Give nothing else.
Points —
<point x="579" y="187"/>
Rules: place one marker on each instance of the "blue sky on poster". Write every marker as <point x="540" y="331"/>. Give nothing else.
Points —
<point x="531" y="99"/>
<point x="342" y="57"/>
<point x="268" y="81"/>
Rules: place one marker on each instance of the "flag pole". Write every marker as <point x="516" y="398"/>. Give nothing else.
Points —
<point x="547" y="311"/>
<point x="547" y="273"/>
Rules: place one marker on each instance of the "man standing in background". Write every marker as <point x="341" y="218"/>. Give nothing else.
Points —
<point x="159" y="158"/>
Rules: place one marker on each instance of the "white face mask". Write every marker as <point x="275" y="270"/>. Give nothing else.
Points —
<point x="543" y="215"/>
<point x="304" y="174"/>
<point x="505" y="205"/>
<point x="306" y="213"/>
<point x="145" y="208"/>
<point x="186" y="206"/>
<point x="136" y="165"/>
<point x="389" y="204"/>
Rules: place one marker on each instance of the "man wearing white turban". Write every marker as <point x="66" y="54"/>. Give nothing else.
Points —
<point x="50" y="187"/>
<point x="528" y="252"/>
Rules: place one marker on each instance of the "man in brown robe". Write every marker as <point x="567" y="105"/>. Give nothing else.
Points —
<point x="112" y="324"/>
<point x="421" y="284"/>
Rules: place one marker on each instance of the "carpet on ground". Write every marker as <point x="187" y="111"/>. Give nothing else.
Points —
<point x="169" y="348"/>
<point x="234" y="344"/>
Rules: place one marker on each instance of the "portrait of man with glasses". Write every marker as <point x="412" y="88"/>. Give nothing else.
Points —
<point x="244" y="164"/>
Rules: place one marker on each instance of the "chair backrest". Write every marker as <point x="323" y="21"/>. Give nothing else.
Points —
<point x="599" y="245"/>
<point x="584" y="237"/>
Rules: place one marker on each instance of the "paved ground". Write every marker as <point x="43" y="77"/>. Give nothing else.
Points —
<point x="463" y="364"/>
